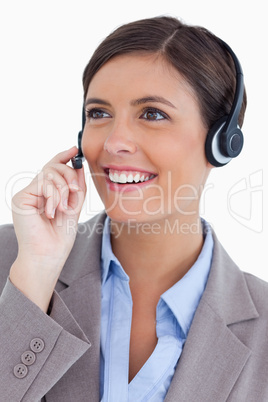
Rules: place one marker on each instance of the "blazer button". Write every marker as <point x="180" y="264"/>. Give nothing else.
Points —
<point x="28" y="358"/>
<point x="20" y="370"/>
<point x="37" y="345"/>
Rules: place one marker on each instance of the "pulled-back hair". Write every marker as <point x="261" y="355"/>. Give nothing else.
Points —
<point x="197" y="54"/>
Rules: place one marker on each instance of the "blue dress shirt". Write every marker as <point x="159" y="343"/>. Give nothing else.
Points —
<point x="174" y="315"/>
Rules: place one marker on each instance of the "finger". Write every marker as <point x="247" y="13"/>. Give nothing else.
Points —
<point x="71" y="194"/>
<point x="61" y="184"/>
<point x="76" y="198"/>
<point x="66" y="180"/>
<point x="64" y="157"/>
<point x="58" y="184"/>
<point x="74" y="177"/>
<point x="52" y="196"/>
<point x="80" y="173"/>
<point x="68" y="173"/>
<point x="75" y="202"/>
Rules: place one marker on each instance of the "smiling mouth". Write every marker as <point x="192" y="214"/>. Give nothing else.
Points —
<point x="128" y="176"/>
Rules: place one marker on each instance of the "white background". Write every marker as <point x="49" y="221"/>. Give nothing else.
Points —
<point x="44" y="49"/>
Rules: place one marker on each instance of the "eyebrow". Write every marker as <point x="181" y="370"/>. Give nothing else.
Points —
<point x="154" y="99"/>
<point x="136" y="102"/>
<point x="97" y="101"/>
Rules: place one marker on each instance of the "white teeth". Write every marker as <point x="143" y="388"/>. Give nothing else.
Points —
<point x="130" y="178"/>
<point x="136" y="178"/>
<point x="112" y="177"/>
<point x="115" y="177"/>
<point x="123" y="178"/>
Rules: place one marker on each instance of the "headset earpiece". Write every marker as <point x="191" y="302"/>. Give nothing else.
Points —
<point x="232" y="142"/>
<point x="225" y="139"/>
<point x="213" y="144"/>
<point x="221" y="146"/>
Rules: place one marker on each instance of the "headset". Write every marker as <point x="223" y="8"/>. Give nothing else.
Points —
<point x="224" y="140"/>
<point x="77" y="161"/>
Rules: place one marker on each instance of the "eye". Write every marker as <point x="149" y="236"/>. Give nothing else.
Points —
<point x="96" y="114"/>
<point x="153" y="114"/>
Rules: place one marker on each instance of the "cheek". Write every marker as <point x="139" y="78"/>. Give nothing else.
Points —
<point x="194" y="147"/>
<point x="185" y="159"/>
<point x="91" y="147"/>
<point x="182" y="150"/>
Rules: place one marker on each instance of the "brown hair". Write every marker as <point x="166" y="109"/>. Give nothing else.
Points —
<point x="193" y="51"/>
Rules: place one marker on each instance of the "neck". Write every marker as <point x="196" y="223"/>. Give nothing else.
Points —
<point x="160" y="252"/>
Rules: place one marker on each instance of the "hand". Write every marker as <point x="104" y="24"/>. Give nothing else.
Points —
<point x="45" y="216"/>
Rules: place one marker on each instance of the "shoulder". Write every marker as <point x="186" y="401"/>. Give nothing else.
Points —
<point x="231" y="291"/>
<point x="258" y="290"/>
<point x="229" y="270"/>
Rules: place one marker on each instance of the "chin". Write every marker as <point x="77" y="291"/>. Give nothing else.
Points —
<point x="132" y="218"/>
<point x="117" y="215"/>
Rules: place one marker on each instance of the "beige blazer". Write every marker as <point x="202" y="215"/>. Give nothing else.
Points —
<point x="225" y="357"/>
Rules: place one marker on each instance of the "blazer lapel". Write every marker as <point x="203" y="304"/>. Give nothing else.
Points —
<point x="79" y="287"/>
<point x="213" y="357"/>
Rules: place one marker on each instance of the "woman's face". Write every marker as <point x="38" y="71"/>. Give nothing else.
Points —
<point x="144" y="140"/>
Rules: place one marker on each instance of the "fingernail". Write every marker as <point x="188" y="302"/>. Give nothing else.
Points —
<point x="53" y="213"/>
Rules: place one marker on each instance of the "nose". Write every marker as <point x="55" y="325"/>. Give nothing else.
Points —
<point x="120" y="141"/>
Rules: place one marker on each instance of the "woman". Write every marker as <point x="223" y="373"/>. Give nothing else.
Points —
<point x="141" y="303"/>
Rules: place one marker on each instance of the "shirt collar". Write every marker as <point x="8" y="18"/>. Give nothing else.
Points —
<point x="108" y="259"/>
